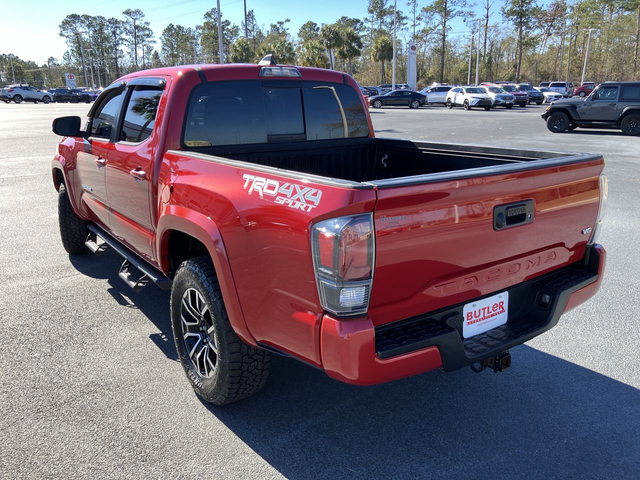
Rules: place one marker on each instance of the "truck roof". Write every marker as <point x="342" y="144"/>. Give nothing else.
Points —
<point x="237" y="71"/>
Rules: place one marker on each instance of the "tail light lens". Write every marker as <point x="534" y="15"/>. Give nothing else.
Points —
<point x="604" y="194"/>
<point x="343" y="258"/>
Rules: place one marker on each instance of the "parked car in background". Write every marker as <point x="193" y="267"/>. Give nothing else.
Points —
<point x="522" y="98"/>
<point x="398" y="98"/>
<point x="566" y="89"/>
<point x="610" y="105"/>
<point x="24" y="93"/>
<point x="94" y="94"/>
<point x="387" y="87"/>
<point x="544" y="84"/>
<point x="500" y="97"/>
<point x="584" y="90"/>
<point x="469" y="97"/>
<point x="374" y="90"/>
<point x="436" y="93"/>
<point x="71" y="95"/>
<point x="550" y="95"/>
<point x="534" y="95"/>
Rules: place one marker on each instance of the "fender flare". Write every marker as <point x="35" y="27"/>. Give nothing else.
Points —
<point x="204" y="229"/>
<point x="568" y="109"/>
<point x="627" y="111"/>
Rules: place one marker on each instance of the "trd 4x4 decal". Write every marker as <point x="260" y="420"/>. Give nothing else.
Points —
<point x="292" y="195"/>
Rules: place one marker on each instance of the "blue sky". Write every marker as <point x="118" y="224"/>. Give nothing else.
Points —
<point x="29" y="29"/>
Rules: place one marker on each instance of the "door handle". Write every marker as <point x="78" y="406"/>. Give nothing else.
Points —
<point x="612" y="104"/>
<point x="138" y="174"/>
<point x="101" y="162"/>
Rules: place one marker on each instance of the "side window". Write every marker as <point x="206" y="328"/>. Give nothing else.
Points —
<point x="323" y="116"/>
<point x="608" y="93"/>
<point x="141" y="114"/>
<point x="631" y="93"/>
<point x="105" y="115"/>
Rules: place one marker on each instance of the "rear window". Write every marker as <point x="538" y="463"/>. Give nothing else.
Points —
<point x="631" y="92"/>
<point x="249" y="112"/>
<point x="558" y="84"/>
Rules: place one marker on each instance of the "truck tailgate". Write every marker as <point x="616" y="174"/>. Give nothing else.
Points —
<point x="437" y="244"/>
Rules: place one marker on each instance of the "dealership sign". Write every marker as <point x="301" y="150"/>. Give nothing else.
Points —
<point x="70" y="78"/>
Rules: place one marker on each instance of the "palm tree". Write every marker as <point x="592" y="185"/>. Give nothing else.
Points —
<point x="351" y="47"/>
<point x="331" y="38"/>
<point x="382" y="51"/>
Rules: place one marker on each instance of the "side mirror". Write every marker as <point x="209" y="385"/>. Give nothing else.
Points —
<point x="595" y="96"/>
<point x="67" y="127"/>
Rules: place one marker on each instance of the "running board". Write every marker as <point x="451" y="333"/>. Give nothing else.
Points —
<point x="148" y="271"/>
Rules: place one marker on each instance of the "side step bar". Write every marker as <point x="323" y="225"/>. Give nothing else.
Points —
<point x="149" y="272"/>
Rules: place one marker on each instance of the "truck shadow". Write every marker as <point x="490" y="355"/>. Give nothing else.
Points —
<point x="545" y="418"/>
<point x="152" y="302"/>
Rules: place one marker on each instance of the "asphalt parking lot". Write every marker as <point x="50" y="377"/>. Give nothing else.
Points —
<point x="91" y="385"/>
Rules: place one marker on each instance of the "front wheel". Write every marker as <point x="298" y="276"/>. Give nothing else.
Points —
<point x="509" y="107"/>
<point x="539" y="103"/>
<point x="220" y="367"/>
<point x="377" y="104"/>
<point x="487" y="108"/>
<point x="466" y="105"/>
<point x="73" y="230"/>
<point x="449" y="104"/>
<point x="17" y="99"/>
<point x="582" y="94"/>
<point x="558" y="122"/>
<point x="630" y="124"/>
<point x="414" y="104"/>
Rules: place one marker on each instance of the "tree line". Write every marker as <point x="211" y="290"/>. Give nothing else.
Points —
<point x="529" y="42"/>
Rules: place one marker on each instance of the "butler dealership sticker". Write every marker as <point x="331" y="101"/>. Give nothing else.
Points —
<point x="483" y="315"/>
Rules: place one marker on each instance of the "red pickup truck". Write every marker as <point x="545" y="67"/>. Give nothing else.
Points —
<point x="260" y="197"/>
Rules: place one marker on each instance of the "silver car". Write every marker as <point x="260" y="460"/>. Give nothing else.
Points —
<point x="500" y="97"/>
<point x="436" y="93"/>
<point x="24" y="93"/>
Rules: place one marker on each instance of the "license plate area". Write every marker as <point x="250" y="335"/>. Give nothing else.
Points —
<point x="483" y="315"/>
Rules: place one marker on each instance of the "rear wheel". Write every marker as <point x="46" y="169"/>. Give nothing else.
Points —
<point x="46" y="99"/>
<point x="630" y="124"/>
<point x="558" y="122"/>
<point x="582" y="94"/>
<point x="414" y="104"/>
<point x="509" y="107"/>
<point x="487" y="108"/>
<point x="466" y="105"/>
<point x="539" y="103"/>
<point x="220" y="367"/>
<point x="377" y="104"/>
<point x="73" y="230"/>
<point x="17" y="99"/>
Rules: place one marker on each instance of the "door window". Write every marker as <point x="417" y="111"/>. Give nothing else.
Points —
<point x="140" y="115"/>
<point x="608" y="93"/>
<point x="104" y="116"/>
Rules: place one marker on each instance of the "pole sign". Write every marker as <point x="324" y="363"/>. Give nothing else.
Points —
<point x="412" y="72"/>
<point x="70" y="78"/>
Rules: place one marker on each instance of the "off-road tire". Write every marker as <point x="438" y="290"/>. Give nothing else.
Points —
<point x="558" y="122"/>
<point x="73" y="230"/>
<point x="414" y="104"/>
<point x="630" y="124"/>
<point x="466" y="105"/>
<point x="377" y="104"/>
<point x="17" y="99"/>
<point x="239" y="370"/>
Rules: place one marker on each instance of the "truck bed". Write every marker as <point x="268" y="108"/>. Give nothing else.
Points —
<point x="387" y="162"/>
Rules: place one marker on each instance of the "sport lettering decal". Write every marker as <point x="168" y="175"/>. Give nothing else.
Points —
<point x="290" y="195"/>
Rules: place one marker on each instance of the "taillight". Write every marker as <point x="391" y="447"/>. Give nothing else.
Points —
<point x="10" y="90"/>
<point x="343" y="258"/>
<point x="604" y="193"/>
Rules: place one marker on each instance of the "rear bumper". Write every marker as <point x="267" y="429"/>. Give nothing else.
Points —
<point x="357" y="352"/>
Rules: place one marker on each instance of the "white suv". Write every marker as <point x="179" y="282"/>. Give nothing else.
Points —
<point x="469" y="97"/>
<point x="563" y="88"/>
<point x="24" y="93"/>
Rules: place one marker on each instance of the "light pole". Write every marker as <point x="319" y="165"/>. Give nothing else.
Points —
<point x="393" y="81"/>
<point x="13" y="73"/>
<point x="586" y="56"/>
<point x="478" y="53"/>
<point x="470" y="61"/>
<point x="84" y="67"/>
<point x="93" y="80"/>
<point x="220" y="34"/>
